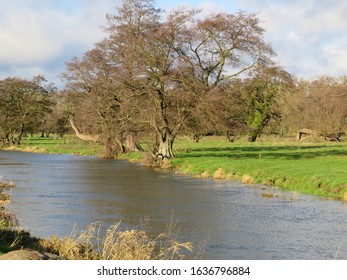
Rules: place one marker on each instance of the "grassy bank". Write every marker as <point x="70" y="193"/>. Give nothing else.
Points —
<point x="310" y="168"/>
<point x="63" y="145"/>
<point x="317" y="168"/>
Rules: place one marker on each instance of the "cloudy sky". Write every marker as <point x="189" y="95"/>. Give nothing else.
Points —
<point x="39" y="36"/>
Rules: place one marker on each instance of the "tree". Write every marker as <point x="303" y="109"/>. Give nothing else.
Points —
<point x="98" y="105"/>
<point x="260" y="96"/>
<point x="321" y="107"/>
<point x="221" y="112"/>
<point x="23" y="106"/>
<point x="154" y="71"/>
<point x="178" y="61"/>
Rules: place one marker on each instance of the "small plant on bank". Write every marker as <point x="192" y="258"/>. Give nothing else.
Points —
<point x="4" y="185"/>
<point x="219" y="174"/>
<point x="6" y="219"/>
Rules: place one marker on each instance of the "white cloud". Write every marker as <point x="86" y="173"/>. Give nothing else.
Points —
<point x="26" y="38"/>
<point x="206" y="6"/>
<point x="209" y="7"/>
<point x="309" y="36"/>
<point x="39" y="35"/>
<point x="33" y="34"/>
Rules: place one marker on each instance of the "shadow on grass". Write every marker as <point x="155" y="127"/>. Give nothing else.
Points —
<point x="274" y="152"/>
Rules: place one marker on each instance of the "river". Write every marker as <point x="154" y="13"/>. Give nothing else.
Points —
<point x="55" y="192"/>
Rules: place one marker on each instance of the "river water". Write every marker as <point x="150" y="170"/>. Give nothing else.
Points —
<point x="55" y="192"/>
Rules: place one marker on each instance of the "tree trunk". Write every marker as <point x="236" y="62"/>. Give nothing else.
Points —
<point x="113" y="146"/>
<point x="253" y="135"/>
<point x="84" y="137"/>
<point x="21" y="132"/>
<point x="166" y="140"/>
<point x="230" y="136"/>
<point x="196" y="137"/>
<point x="109" y="148"/>
<point x="119" y="145"/>
<point x="132" y="144"/>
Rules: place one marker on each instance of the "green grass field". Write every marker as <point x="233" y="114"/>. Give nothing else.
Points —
<point x="318" y="168"/>
<point x="66" y="145"/>
<point x="311" y="168"/>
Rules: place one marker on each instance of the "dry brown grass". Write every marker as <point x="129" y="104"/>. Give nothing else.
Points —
<point x="248" y="180"/>
<point x="5" y="184"/>
<point x="166" y="164"/>
<point x="150" y="160"/>
<point x="7" y="220"/>
<point x="205" y="175"/>
<point x="118" y="244"/>
<point x="219" y="174"/>
<point x="5" y="197"/>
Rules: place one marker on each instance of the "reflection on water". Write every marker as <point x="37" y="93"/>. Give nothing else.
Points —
<point x="55" y="192"/>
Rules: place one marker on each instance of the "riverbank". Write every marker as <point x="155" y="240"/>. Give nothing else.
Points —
<point x="309" y="168"/>
<point x="11" y="238"/>
<point x="132" y="244"/>
<point x="316" y="168"/>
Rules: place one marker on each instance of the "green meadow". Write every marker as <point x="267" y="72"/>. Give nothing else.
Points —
<point x="310" y="168"/>
<point x="317" y="168"/>
<point x="63" y="145"/>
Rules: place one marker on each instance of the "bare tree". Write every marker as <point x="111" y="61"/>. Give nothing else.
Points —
<point x="322" y="107"/>
<point x="181" y="59"/>
<point x="154" y="69"/>
<point x="98" y="102"/>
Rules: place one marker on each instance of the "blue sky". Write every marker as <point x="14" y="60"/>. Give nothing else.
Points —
<point x="39" y="36"/>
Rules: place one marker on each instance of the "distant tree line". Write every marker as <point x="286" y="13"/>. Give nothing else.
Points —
<point x="159" y="75"/>
<point x="25" y="107"/>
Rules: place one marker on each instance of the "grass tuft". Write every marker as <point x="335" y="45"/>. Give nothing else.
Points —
<point x="248" y="180"/>
<point x="205" y="175"/>
<point x="219" y="174"/>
